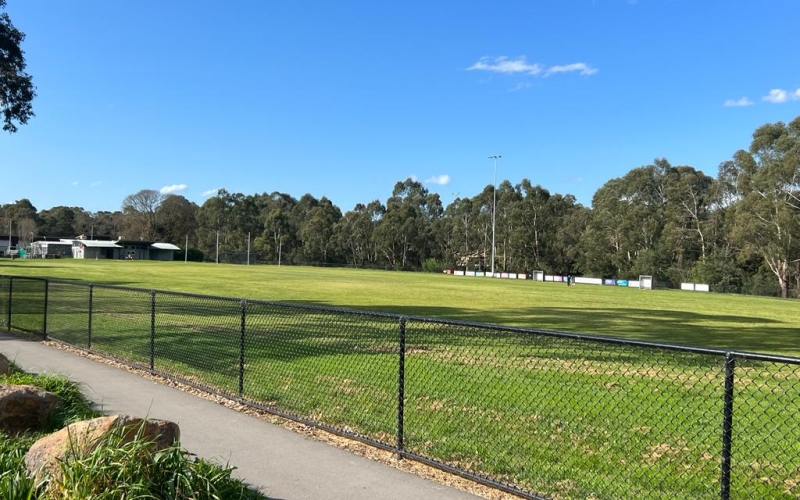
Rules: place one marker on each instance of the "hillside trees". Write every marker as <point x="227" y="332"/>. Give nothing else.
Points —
<point x="16" y="86"/>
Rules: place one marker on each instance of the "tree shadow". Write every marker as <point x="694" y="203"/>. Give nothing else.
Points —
<point x="666" y="326"/>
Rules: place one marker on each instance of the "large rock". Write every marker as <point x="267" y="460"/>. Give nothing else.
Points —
<point x="26" y="408"/>
<point x="82" y="438"/>
<point x="5" y="365"/>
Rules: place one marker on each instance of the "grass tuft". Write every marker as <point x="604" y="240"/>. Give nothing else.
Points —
<point x="114" y="470"/>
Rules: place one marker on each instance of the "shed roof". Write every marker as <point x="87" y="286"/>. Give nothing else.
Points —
<point x="165" y="246"/>
<point x="50" y="243"/>
<point x="99" y="244"/>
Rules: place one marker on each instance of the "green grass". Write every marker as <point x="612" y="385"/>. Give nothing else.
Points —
<point x="758" y="324"/>
<point x="563" y="418"/>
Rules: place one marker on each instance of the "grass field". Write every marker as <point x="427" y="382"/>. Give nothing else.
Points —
<point x="758" y="324"/>
<point x="567" y="419"/>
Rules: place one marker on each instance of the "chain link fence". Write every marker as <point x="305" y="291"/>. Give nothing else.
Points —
<point x="537" y="413"/>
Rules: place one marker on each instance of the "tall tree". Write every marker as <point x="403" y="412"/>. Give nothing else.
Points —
<point x="140" y="213"/>
<point x="354" y="234"/>
<point x="57" y="222"/>
<point x="767" y="214"/>
<point x="534" y="229"/>
<point x="212" y="219"/>
<point x="405" y="231"/>
<point x="16" y="86"/>
<point x="317" y="232"/>
<point x="176" y="219"/>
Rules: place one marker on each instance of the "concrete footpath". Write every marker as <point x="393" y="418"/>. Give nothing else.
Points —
<point x="283" y="464"/>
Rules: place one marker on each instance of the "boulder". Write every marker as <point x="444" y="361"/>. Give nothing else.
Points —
<point x="26" y="408"/>
<point x="82" y="438"/>
<point x="5" y="365"/>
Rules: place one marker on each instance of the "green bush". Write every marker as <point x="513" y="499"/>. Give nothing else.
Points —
<point x="433" y="266"/>
<point x="119" y="470"/>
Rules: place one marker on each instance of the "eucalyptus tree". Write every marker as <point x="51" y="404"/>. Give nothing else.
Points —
<point x="573" y="220"/>
<point x="505" y="223"/>
<point x="212" y="220"/>
<point x="691" y="199"/>
<point x="405" y="232"/>
<point x="624" y="235"/>
<point x="354" y="234"/>
<point x="278" y="238"/>
<point x="318" y="230"/>
<point x="457" y="239"/>
<point x="534" y="228"/>
<point x="766" y="188"/>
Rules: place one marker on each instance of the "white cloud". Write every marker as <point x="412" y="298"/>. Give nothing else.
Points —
<point x="738" y="103"/>
<point x="97" y="183"/>
<point x="505" y="65"/>
<point x="519" y="86"/>
<point x="582" y="68"/>
<point x="797" y="94"/>
<point x="520" y="65"/>
<point x="777" y="96"/>
<point x="172" y="188"/>
<point x="441" y="180"/>
<point x="74" y="183"/>
<point x="211" y="192"/>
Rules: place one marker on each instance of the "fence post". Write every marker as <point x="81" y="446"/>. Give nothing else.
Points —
<point x="46" y="299"/>
<point x="727" y="427"/>
<point x="241" y="348"/>
<point x="401" y="387"/>
<point x="91" y="308"/>
<point x="10" y="299"/>
<point x="152" y="329"/>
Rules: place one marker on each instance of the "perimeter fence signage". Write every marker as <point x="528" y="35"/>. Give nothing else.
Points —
<point x="538" y="413"/>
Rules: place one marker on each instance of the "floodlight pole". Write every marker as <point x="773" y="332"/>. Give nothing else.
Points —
<point x="248" y="248"/>
<point x="217" y="247"/>
<point x="494" y="205"/>
<point x="186" y="250"/>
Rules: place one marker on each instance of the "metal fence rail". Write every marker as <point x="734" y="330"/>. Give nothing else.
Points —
<point x="538" y="413"/>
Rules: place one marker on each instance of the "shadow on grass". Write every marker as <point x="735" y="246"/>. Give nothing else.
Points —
<point x="675" y="327"/>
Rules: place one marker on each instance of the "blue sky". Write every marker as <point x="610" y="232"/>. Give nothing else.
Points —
<point x="343" y="99"/>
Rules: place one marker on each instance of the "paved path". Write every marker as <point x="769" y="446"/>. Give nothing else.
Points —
<point x="284" y="464"/>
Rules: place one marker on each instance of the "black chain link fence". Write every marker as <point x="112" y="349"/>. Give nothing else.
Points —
<point x="537" y="413"/>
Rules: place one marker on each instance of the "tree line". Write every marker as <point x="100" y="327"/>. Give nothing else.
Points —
<point x="738" y="231"/>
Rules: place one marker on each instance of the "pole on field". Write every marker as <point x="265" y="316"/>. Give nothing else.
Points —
<point x="217" y="246"/>
<point x="494" y="205"/>
<point x="186" y="250"/>
<point x="248" y="248"/>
